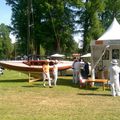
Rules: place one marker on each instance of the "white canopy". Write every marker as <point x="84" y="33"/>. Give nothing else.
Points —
<point x="58" y="55"/>
<point x="86" y="55"/>
<point x="110" y="39"/>
<point x="112" y="33"/>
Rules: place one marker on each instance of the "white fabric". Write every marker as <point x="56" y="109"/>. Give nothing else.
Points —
<point x="76" y="76"/>
<point x="82" y="64"/>
<point x="76" y="71"/>
<point x="1" y="71"/>
<point x="112" y="33"/>
<point x="77" y="66"/>
<point x="57" y="55"/>
<point x="81" y="79"/>
<point x="46" y="76"/>
<point x="114" y="80"/>
<point x="86" y="55"/>
<point x="55" y="73"/>
<point x="114" y="62"/>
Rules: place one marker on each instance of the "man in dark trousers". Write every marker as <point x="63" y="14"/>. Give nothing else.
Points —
<point x="86" y="70"/>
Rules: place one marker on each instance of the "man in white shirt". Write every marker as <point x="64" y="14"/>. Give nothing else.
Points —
<point x="114" y="78"/>
<point x="55" y="72"/>
<point x="76" y="70"/>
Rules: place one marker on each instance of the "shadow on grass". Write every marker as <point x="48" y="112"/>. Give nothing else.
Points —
<point x="33" y="85"/>
<point x="63" y="81"/>
<point x="12" y="81"/>
<point x="67" y="82"/>
<point x="95" y="89"/>
<point x="60" y="82"/>
<point x="89" y="88"/>
<point x="93" y="94"/>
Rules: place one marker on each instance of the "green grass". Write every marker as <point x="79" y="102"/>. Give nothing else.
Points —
<point x="20" y="100"/>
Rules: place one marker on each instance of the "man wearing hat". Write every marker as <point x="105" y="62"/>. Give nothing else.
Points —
<point x="114" y="78"/>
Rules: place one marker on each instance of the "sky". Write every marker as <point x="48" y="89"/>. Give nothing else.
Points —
<point x="5" y="13"/>
<point x="5" y="16"/>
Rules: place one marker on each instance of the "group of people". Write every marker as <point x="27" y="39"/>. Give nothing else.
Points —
<point x="80" y="70"/>
<point x="46" y="73"/>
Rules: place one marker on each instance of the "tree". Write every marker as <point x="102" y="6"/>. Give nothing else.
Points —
<point x="5" y="42"/>
<point x="111" y="11"/>
<point x="90" y="22"/>
<point x="50" y="24"/>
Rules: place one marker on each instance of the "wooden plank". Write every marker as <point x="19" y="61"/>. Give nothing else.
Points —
<point x="31" y="79"/>
<point x="103" y="81"/>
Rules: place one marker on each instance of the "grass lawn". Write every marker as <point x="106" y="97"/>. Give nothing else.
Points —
<point x="20" y="100"/>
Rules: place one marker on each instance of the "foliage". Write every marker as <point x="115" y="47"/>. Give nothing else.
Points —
<point x="111" y="11"/>
<point x="5" y="42"/>
<point x="89" y="19"/>
<point x="50" y="24"/>
<point x="42" y="51"/>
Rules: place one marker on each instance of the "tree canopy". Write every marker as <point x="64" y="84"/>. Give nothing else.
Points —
<point x="5" y="42"/>
<point x="46" y="23"/>
<point x="47" y="26"/>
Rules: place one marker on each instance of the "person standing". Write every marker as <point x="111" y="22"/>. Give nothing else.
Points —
<point x="114" y="71"/>
<point x="82" y="64"/>
<point x="76" y="72"/>
<point x="86" y="70"/>
<point x="73" y="67"/>
<point x="55" y="72"/>
<point x="46" y="73"/>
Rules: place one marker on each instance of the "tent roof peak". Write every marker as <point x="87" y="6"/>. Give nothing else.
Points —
<point x="112" y="33"/>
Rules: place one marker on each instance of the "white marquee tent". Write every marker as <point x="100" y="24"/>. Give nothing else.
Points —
<point x="86" y="55"/>
<point x="112" y="33"/>
<point x="106" y="48"/>
<point x="58" y="55"/>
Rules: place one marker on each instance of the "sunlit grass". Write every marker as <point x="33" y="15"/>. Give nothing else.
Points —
<point x="20" y="100"/>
